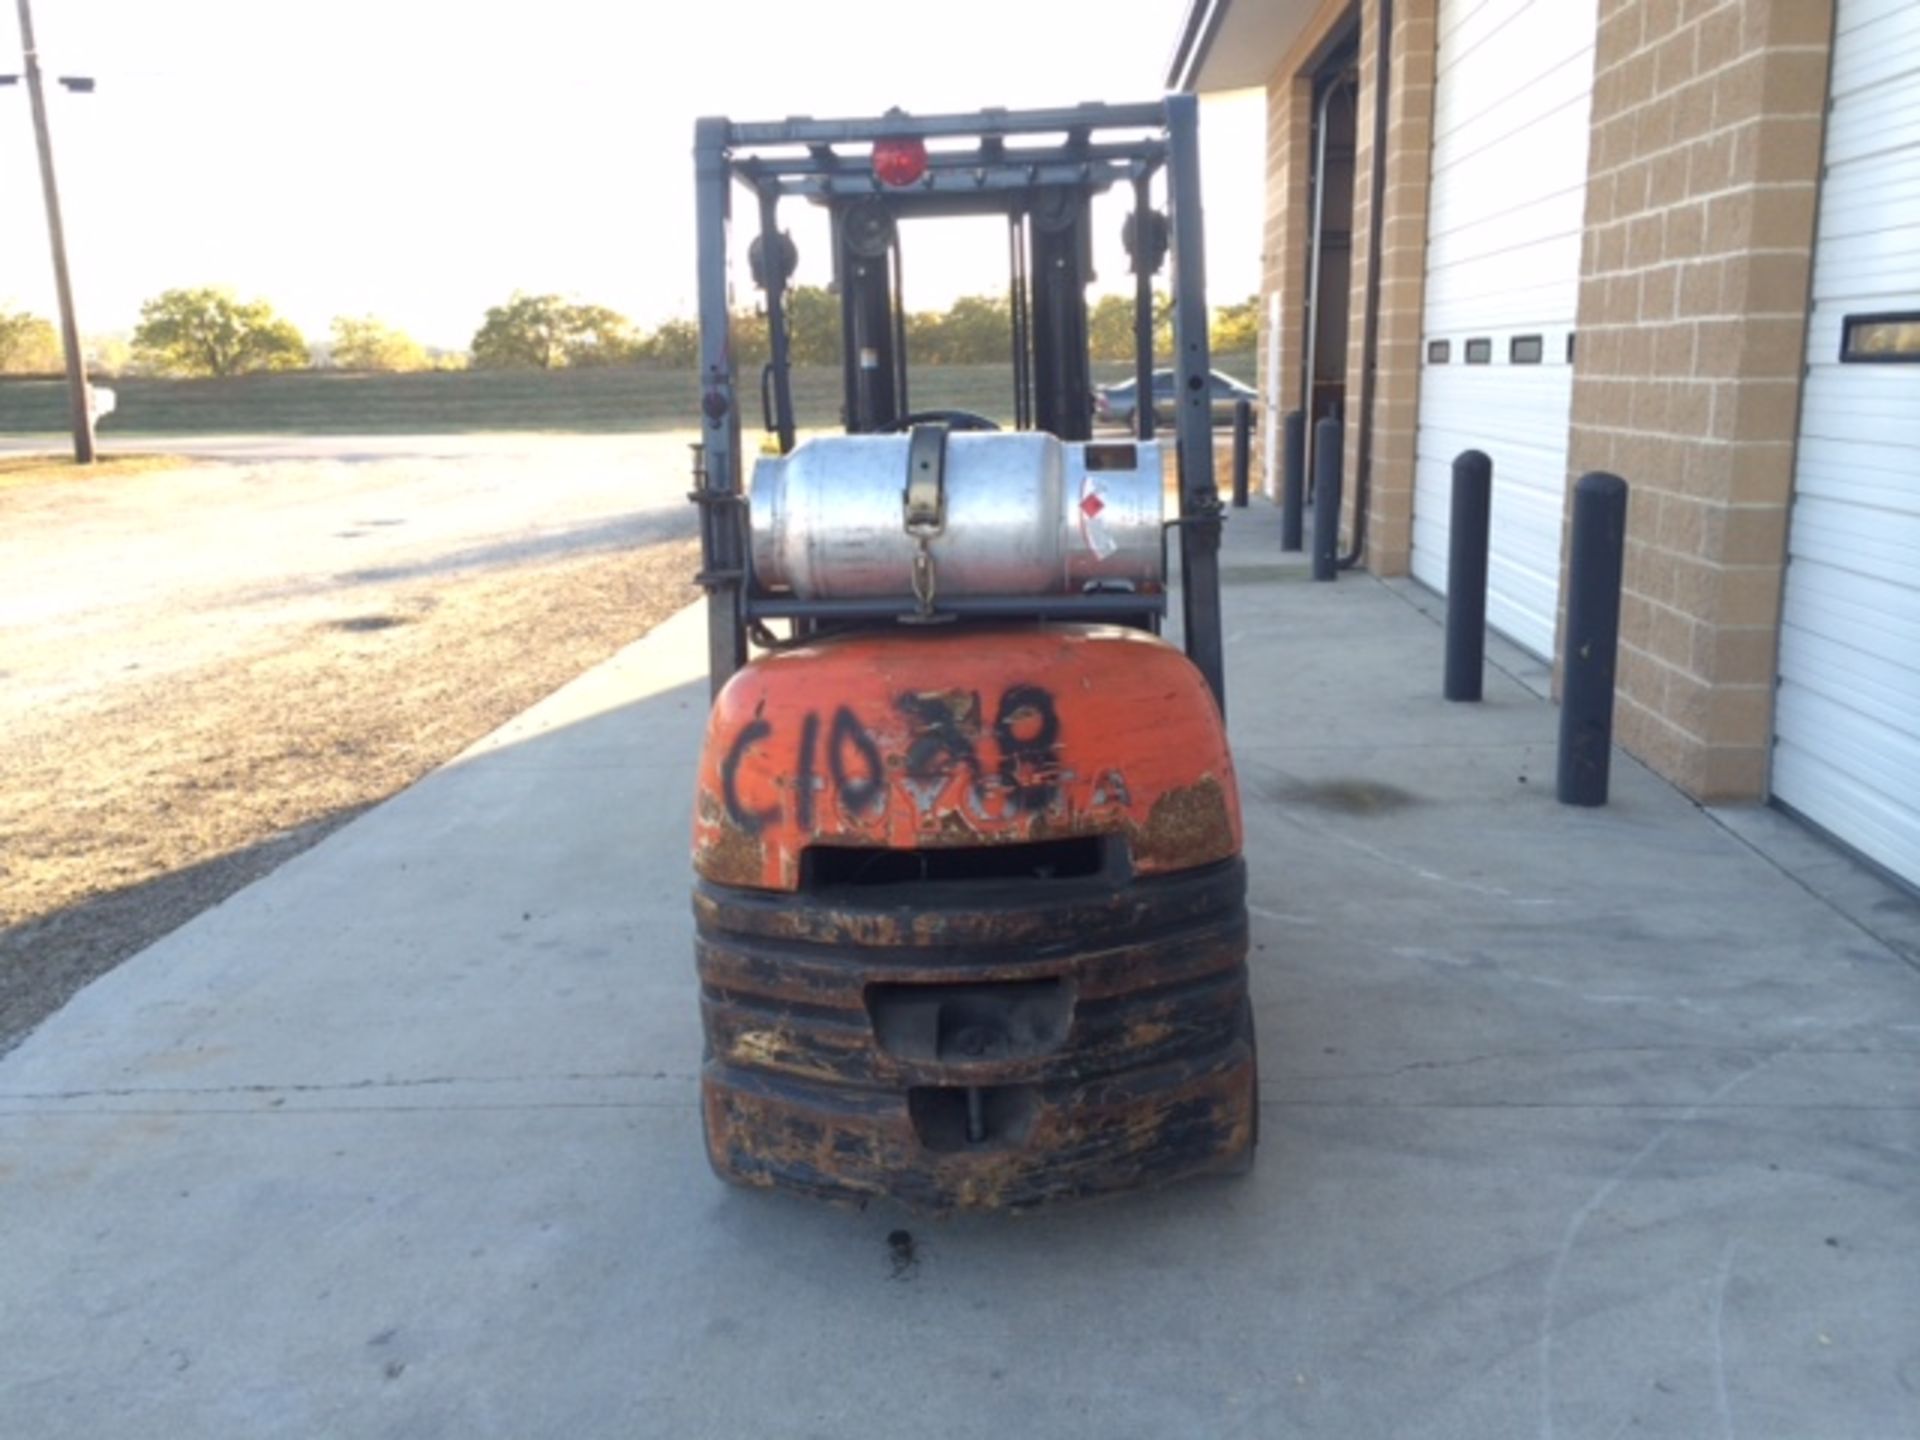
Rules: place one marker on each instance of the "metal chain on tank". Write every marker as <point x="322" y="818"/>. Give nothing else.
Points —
<point x="924" y="584"/>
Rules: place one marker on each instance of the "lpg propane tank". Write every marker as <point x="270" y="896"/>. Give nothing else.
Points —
<point x="1025" y="514"/>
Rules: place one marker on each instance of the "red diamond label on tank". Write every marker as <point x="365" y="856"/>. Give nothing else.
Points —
<point x="1092" y="530"/>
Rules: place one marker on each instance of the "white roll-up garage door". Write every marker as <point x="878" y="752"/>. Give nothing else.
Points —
<point x="1512" y="101"/>
<point x="1847" y="718"/>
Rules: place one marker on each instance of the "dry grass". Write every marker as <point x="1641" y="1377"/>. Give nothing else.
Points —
<point x="38" y="469"/>
<point x="122" y="816"/>
<point x="613" y="398"/>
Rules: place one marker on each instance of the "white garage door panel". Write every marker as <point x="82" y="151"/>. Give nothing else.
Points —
<point x="1858" y="185"/>
<point x="1509" y="38"/>
<point x="1506" y="206"/>
<point x="1859" y="541"/>
<point x="1519" y="406"/>
<point x="1878" y="752"/>
<point x="1858" y="14"/>
<point x="1847" y="716"/>
<point x="1873" y="257"/>
<point x="1493" y="281"/>
<point x="1514" y="309"/>
<point x="1469" y="132"/>
<point x="1508" y="220"/>
<point x="1872" y="261"/>
<point x="1840" y="397"/>
<point x="1872" y="476"/>
<point x="1466" y="135"/>
<point x="1858" y="444"/>
<point x="1461" y="28"/>
<point x="1873" y="117"/>
<point x="1853" y="746"/>
<point x="1869" y="41"/>
<point x="1525" y="409"/>
<point x="1865" y="615"/>
<point x="1461" y="233"/>
<point x="1857" y="743"/>
<point x="1862" y="815"/>
<point x="1847" y="564"/>
<point x="1865" y="406"/>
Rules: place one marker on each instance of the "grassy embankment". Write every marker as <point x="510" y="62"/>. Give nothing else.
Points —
<point x="453" y="402"/>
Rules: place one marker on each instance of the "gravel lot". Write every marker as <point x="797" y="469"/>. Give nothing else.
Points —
<point x="204" y="671"/>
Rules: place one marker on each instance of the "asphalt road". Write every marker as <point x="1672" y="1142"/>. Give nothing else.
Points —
<point x="165" y="572"/>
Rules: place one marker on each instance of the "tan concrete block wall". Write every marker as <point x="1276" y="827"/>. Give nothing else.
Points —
<point x="1284" y="261"/>
<point x="1284" y="247"/>
<point x="1403" y="258"/>
<point x="1705" y="156"/>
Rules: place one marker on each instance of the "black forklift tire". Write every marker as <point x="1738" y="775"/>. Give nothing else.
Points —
<point x="1242" y="1164"/>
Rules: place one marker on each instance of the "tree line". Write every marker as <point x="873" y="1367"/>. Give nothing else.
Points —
<point x="209" y="331"/>
<point x="977" y="329"/>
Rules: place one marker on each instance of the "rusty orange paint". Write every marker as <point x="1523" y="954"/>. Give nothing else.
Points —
<point x="924" y="738"/>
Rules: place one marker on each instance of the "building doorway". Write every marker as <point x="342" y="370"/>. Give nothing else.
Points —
<point x="1330" y="239"/>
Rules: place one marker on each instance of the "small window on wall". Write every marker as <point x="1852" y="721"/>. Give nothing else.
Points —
<point x="1570" y="347"/>
<point x="1480" y="352"/>
<point x="1525" y="350"/>
<point x="1891" y="339"/>
<point x="1439" y="351"/>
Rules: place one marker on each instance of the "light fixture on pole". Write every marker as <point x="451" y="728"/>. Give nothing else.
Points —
<point x="79" y="402"/>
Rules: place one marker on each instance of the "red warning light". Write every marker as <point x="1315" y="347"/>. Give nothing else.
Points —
<point x="899" y="162"/>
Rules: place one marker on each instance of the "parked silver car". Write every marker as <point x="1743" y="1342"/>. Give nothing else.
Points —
<point x="1113" y="404"/>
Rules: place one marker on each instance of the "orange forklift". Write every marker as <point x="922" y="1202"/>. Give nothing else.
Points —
<point x="971" y="913"/>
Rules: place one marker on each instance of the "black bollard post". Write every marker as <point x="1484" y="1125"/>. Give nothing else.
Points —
<point x="1596" y="556"/>
<point x="1467" y="574"/>
<point x="1242" y="450"/>
<point x="1326" y="499"/>
<point x="1293" y="480"/>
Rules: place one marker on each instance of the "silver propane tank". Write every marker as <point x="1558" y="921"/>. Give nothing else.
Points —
<point x="1005" y="514"/>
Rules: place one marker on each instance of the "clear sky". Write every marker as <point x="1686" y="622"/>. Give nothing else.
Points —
<point x="422" y="159"/>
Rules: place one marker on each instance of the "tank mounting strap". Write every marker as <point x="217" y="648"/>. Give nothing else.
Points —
<point x="925" y="504"/>
<point x="926" y="492"/>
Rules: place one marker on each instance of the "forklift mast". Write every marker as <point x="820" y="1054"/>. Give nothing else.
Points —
<point x="1040" y="170"/>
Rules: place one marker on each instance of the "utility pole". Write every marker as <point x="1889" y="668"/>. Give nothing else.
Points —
<point x="78" y="400"/>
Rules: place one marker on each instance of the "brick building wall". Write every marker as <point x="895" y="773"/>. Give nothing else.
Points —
<point x="1283" y="254"/>
<point x="1402" y="258"/>
<point x="1704" y="166"/>
<point x="1403" y="255"/>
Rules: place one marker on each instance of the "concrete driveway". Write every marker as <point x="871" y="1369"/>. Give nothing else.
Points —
<point x="1578" y="1124"/>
